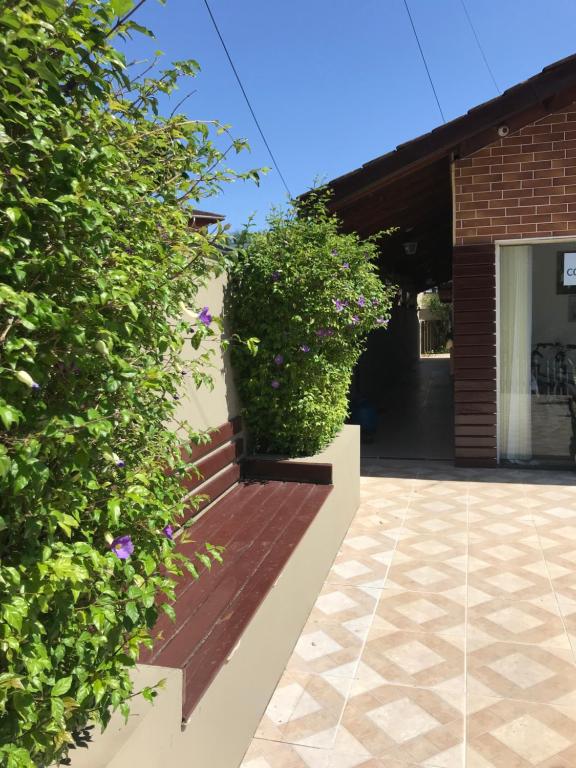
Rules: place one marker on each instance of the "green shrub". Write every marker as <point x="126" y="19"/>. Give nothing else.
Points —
<point x="311" y="295"/>
<point x="97" y="258"/>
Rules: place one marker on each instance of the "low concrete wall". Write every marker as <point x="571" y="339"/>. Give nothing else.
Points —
<point x="205" y="408"/>
<point x="222" y="725"/>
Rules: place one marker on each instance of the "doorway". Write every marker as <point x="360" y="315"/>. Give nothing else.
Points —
<point x="537" y="354"/>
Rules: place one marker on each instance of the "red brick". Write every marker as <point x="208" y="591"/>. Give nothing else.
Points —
<point x="486" y="178"/>
<point x="550" y="173"/>
<point x="517" y="193"/>
<point x="549" y="155"/>
<point x="524" y="210"/>
<point x="537" y="128"/>
<point x="568" y="179"/>
<point x="567" y="216"/>
<point x="475" y="188"/>
<point x="518" y="176"/>
<point x="508" y="184"/>
<point x="556" y="208"/>
<point x="564" y="199"/>
<point x="537" y="184"/>
<point x="536" y="218"/>
<point x="476" y="205"/>
<point x="565" y="144"/>
<point x="538" y="165"/>
<point x="556" y="117"/>
<point x="501" y="230"/>
<point x="505" y="220"/>
<point x="489" y="195"/>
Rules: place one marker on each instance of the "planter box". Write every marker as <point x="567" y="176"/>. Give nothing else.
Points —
<point x="223" y="723"/>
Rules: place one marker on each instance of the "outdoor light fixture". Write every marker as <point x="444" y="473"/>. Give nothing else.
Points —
<point x="410" y="248"/>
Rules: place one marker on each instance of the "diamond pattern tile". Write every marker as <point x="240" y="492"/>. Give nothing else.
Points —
<point x="412" y="658"/>
<point x="504" y="733"/>
<point x="451" y="599"/>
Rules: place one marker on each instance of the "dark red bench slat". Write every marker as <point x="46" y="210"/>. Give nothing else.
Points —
<point x="208" y="596"/>
<point x="212" y="464"/>
<point x="292" y="471"/>
<point x="221" y="435"/>
<point x="207" y="657"/>
<point x="213" y="489"/>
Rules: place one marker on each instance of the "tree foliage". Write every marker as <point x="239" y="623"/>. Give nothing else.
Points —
<point x="97" y="261"/>
<point x="310" y="295"/>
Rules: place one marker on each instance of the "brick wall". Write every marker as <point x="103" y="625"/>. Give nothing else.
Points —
<point x="523" y="185"/>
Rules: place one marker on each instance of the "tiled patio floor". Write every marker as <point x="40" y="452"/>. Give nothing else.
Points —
<point x="445" y="635"/>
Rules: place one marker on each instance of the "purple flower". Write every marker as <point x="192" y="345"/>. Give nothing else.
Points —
<point x="324" y="332"/>
<point x="274" y="383"/>
<point x="168" y="531"/>
<point x="375" y="302"/>
<point x="279" y="359"/>
<point x="361" y="301"/>
<point x="118" y="461"/>
<point x="205" y="317"/>
<point x="275" y="276"/>
<point x="304" y="348"/>
<point x="346" y="265"/>
<point x="381" y="321"/>
<point x="354" y="320"/>
<point x="122" y="547"/>
<point x="334" y="252"/>
<point x="339" y="304"/>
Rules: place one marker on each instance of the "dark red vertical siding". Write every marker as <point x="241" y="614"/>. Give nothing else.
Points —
<point x="474" y="301"/>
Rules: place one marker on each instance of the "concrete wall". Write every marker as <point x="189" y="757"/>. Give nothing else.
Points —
<point x="203" y="408"/>
<point x="222" y="725"/>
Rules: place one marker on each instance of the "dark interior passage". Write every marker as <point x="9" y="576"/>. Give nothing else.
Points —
<point x="405" y="400"/>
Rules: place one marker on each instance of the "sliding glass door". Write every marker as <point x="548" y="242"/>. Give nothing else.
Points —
<point x="537" y="355"/>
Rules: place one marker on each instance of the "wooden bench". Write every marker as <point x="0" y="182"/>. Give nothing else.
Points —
<point x="259" y="510"/>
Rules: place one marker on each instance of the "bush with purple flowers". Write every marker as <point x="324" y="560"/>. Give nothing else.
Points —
<point x="99" y="278"/>
<point x="311" y="295"/>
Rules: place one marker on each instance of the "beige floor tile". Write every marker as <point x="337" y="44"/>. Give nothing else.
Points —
<point x="305" y="709"/>
<point x="430" y="524"/>
<point x="404" y="726"/>
<point x="523" y="552"/>
<point x="426" y="576"/>
<point x="420" y="659"/>
<point x="354" y="569"/>
<point x="526" y="672"/>
<point x="430" y="547"/>
<point x="338" y="603"/>
<point x="328" y="649"/>
<point x="421" y="612"/>
<point x="503" y="733"/>
<point x="536" y="622"/>
<point x="275" y="754"/>
<point x="512" y="582"/>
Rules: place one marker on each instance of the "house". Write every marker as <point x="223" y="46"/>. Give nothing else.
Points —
<point x="488" y="201"/>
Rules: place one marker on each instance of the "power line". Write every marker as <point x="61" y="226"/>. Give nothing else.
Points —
<point x="479" y="44"/>
<point x="424" y="60"/>
<point x="246" y="98"/>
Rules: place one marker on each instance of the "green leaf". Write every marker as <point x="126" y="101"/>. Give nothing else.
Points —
<point x="121" y="7"/>
<point x="14" y="214"/>
<point x="114" y="509"/>
<point x="132" y="611"/>
<point x="61" y="686"/>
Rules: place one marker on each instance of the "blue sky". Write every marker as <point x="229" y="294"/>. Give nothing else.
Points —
<point x="336" y="83"/>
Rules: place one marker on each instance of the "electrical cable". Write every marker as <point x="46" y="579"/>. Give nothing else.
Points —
<point x="424" y="60"/>
<point x="479" y="44"/>
<point x="246" y="98"/>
